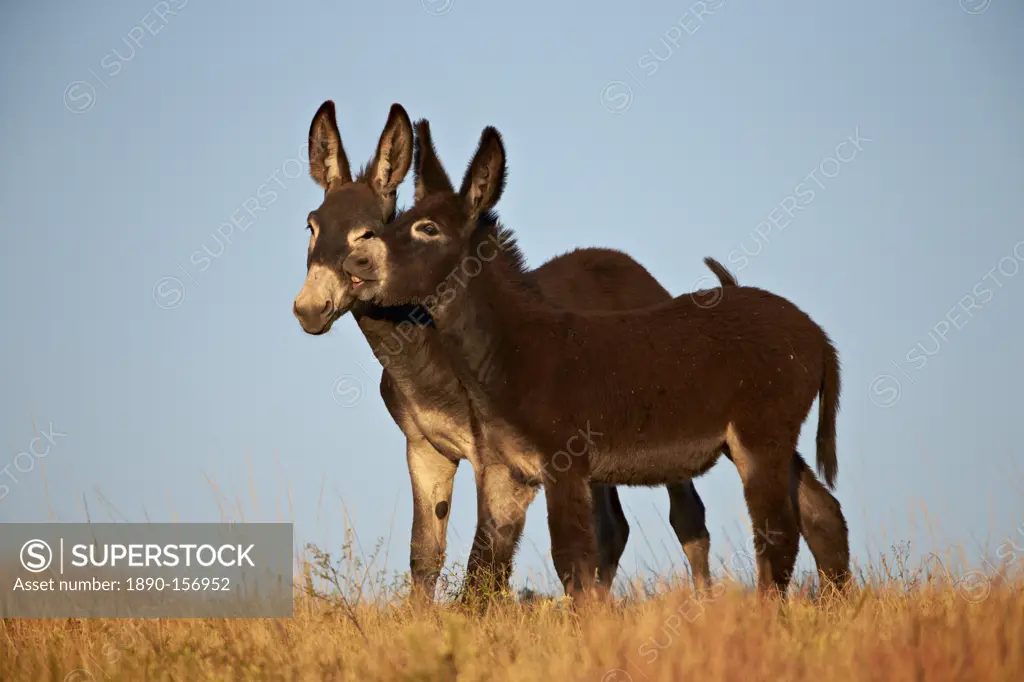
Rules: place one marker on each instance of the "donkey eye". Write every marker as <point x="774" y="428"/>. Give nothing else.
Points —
<point x="368" y="234"/>
<point x="429" y="229"/>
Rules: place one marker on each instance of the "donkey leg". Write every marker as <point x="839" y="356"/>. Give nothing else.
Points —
<point x="502" y="502"/>
<point x="766" y="474"/>
<point x="686" y="515"/>
<point x="573" y="544"/>
<point x="432" y="476"/>
<point x="611" y="528"/>
<point x="822" y="524"/>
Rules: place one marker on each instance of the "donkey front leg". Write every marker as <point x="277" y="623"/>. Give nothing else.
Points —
<point x="433" y="476"/>
<point x="573" y="545"/>
<point x="611" y="529"/>
<point x="502" y="502"/>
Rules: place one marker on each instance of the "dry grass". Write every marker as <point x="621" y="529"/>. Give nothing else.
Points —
<point x="908" y="626"/>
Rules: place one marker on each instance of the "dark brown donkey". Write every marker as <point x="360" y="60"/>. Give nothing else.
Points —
<point x="422" y="391"/>
<point x="656" y="393"/>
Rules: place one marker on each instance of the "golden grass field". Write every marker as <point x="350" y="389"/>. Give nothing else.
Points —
<point x="896" y="624"/>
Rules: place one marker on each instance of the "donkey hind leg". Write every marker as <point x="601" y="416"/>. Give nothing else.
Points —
<point x="686" y="515"/>
<point x="433" y="476"/>
<point x="822" y="524"/>
<point x="766" y="474"/>
<point x="611" y="529"/>
<point x="573" y="543"/>
<point x="502" y="502"/>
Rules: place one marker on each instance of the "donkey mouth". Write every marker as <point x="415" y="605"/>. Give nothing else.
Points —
<point x="364" y="289"/>
<point x="359" y="281"/>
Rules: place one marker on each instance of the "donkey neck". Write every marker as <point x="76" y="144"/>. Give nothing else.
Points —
<point x="408" y="346"/>
<point x="496" y="317"/>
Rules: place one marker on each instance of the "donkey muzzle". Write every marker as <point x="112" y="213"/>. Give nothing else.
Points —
<point x="324" y="297"/>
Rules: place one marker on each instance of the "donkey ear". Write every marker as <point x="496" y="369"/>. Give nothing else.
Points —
<point x="328" y="164"/>
<point x="485" y="178"/>
<point x="430" y="174"/>
<point x="393" y="158"/>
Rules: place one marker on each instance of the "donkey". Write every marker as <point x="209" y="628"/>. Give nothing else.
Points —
<point x="422" y="391"/>
<point x="660" y="392"/>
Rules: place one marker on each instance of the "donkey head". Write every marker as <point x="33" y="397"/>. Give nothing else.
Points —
<point x="352" y="210"/>
<point x="410" y="260"/>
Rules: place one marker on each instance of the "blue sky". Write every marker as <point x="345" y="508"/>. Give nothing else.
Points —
<point x="133" y="131"/>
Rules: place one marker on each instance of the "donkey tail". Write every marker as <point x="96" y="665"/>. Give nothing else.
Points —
<point x="723" y="275"/>
<point x="828" y="406"/>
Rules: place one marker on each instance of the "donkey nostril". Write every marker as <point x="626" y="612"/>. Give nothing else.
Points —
<point x="328" y="308"/>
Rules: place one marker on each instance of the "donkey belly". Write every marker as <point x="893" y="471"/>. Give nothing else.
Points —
<point x="655" y="464"/>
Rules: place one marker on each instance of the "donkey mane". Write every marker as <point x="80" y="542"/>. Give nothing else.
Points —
<point x="363" y="170"/>
<point x="490" y="227"/>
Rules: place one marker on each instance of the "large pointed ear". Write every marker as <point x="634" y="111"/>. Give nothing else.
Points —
<point x="429" y="173"/>
<point x="328" y="164"/>
<point x="393" y="158"/>
<point x="485" y="178"/>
